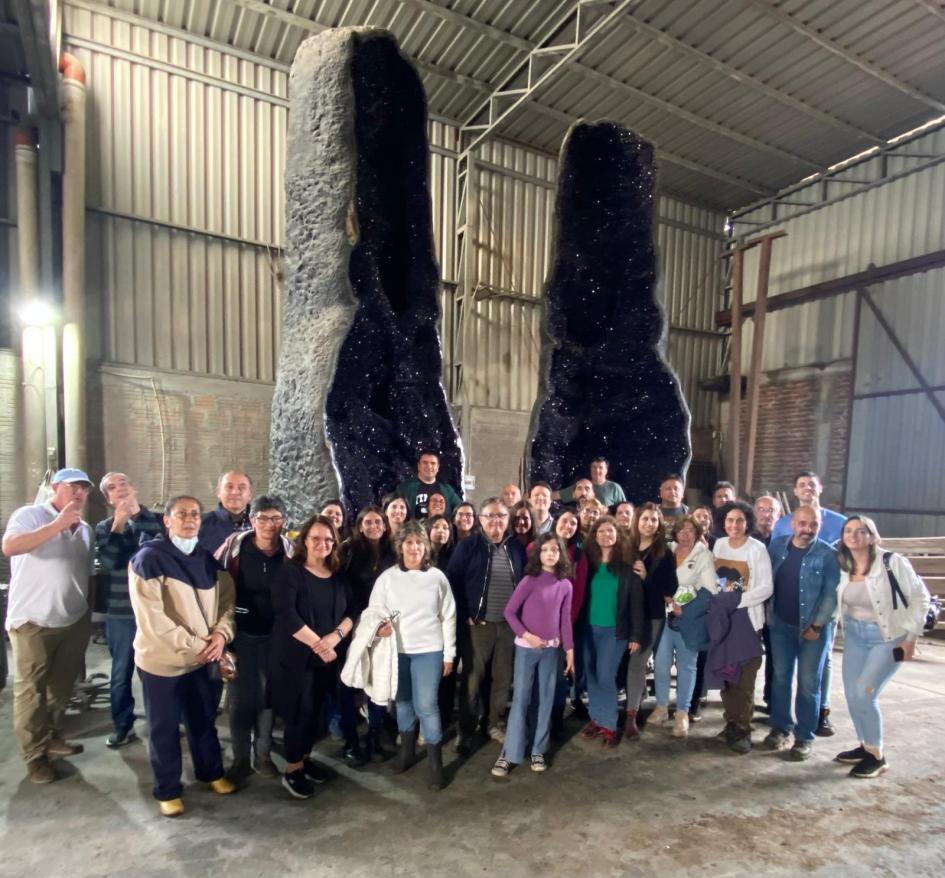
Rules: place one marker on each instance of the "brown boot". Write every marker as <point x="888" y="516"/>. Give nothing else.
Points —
<point x="40" y="770"/>
<point x="630" y="728"/>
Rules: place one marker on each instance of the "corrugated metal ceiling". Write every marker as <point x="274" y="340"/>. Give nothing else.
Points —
<point x="741" y="97"/>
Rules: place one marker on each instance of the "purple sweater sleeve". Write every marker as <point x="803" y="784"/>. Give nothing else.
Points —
<point x="511" y="612"/>
<point x="567" y="634"/>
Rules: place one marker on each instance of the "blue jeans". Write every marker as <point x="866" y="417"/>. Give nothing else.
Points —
<point x="418" y="688"/>
<point x="827" y="676"/>
<point x="602" y="654"/>
<point x="672" y="646"/>
<point x="790" y="651"/>
<point x="868" y="666"/>
<point x="540" y="666"/>
<point x="120" y="635"/>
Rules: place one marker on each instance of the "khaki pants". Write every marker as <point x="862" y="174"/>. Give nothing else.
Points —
<point x="46" y="664"/>
<point x="738" y="700"/>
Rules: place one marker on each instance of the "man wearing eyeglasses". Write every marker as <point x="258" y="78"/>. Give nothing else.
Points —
<point x="253" y="558"/>
<point x="117" y="538"/>
<point x="48" y="617"/>
<point x="183" y="607"/>
<point x="483" y="573"/>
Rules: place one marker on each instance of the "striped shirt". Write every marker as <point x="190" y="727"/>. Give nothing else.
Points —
<point x="501" y="583"/>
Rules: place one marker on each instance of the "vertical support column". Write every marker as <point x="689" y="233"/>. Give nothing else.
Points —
<point x="74" y="378"/>
<point x="735" y="368"/>
<point x="32" y="404"/>
<point x="470" y="278"/>
<point x="757" y="355"/>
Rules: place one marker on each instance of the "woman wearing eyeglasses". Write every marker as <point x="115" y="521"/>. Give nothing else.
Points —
<point x="311" y="601"/>
<point x="883" y="605"/>
<point x="464" y="520"/>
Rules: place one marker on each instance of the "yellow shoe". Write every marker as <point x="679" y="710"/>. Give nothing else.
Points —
<point x="171" y="807"/>
<point x="222" y="787"/>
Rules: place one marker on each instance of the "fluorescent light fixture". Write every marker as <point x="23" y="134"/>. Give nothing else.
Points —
<point x="37" y="313"/>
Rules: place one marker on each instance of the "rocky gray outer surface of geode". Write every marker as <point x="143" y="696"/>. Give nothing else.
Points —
<point x="604" y="386"/>
<point x="359" y="389"/>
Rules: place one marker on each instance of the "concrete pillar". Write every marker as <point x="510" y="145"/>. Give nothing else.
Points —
<point x="72" y="100"/>
<point x="32" y="430"/>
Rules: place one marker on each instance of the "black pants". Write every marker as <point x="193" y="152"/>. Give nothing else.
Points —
<point x="300" y="733"/>
<point x="166" y="699"/>
<point x="489" y="652"/>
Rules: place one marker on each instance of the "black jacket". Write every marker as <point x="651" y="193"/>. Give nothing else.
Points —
<point x="631" y="605"/>
<point x="660" y="582"/>
<point x="468" y="573"/>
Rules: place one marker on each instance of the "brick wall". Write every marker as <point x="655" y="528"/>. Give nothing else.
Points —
<point x="803" y="423"/>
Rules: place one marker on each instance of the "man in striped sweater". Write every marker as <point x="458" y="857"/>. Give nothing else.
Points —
<point x="116" y="539"/>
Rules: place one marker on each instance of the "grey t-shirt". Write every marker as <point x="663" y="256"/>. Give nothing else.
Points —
<point x="501" y="584"/>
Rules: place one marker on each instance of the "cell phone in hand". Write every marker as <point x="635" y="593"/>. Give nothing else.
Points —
<point x="898" y="654"/>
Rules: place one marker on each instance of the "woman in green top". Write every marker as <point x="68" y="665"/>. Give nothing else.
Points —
<point x="615" y="617"/>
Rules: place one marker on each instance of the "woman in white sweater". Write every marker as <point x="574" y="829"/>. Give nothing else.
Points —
<point x="882" y="611"/>
<point x="742" y="564"/>
<point x="695" y="569"/>
<point x="421" y="604"/>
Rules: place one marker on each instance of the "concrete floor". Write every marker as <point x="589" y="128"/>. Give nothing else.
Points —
<point x="658" y="807"/>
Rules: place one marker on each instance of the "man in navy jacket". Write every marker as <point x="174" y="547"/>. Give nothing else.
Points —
<point x="483" y="572"/>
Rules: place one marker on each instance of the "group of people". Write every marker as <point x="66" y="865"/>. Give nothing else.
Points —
<point x="333" y="620"/>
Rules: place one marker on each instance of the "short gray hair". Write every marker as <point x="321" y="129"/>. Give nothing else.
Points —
<point x="239" y="472"/>
<point x="103" y="484"/>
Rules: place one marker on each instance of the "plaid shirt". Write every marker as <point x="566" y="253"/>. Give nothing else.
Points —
<point x="113" y="552"/>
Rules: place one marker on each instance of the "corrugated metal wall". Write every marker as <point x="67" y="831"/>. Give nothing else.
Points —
<point x="190" y="139"/>
<point x="896" y="221"/>
<point x="897" y="443"/>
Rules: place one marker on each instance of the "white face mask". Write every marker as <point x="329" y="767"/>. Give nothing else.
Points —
<point x="185" y="544"/>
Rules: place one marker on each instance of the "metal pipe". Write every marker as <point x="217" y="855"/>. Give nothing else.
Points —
<point x="735" y="365"/>
<point x="72" y="99"/>
<point x="32" y="401"/>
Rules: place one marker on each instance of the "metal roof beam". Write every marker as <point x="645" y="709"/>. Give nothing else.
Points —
<point x="34" y="38"/>
<point x="743" y="78"/>
<point x="857" y="61"/>
<point x="932" y="9"/>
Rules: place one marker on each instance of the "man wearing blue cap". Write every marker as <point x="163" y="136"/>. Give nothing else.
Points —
<point x="48" y="616"/>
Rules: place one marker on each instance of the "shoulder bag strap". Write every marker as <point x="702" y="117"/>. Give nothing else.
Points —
<point x="894" y="583"/>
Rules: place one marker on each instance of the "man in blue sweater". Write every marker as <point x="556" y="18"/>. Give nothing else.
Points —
<point x="803" y="616"/>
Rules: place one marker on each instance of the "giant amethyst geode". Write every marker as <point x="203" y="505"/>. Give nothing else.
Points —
<point x="359" y="391"/>
<point x="604" y="386"/>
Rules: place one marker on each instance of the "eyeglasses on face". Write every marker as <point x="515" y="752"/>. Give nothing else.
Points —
<point x="269" y="519"/>
<point x="321" y="541"/>
<point x="494" y="516"/>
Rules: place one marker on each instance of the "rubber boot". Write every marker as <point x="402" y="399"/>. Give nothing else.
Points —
<point x="435" y="759"/>
<point x="408" y="751"/>
<point x="374" y="746"/>
<point x="630" y="728"/>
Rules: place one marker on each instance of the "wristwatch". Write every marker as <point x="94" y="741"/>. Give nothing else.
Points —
<point x="340" y="633"/>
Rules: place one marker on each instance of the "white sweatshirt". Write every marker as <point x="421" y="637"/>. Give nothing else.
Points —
<point x="427" y="620"/>
<point x="760" y="585"/>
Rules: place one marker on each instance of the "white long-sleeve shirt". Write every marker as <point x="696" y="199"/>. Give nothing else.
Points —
<point x="427" y="620"/>
<point x="696" y="571"/>
<point x="759" y="585"/>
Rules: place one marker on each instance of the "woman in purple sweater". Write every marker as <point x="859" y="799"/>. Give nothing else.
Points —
<point x="539" y="612"/>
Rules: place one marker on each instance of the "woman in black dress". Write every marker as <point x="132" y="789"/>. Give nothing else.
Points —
<point x="311" y="603"/>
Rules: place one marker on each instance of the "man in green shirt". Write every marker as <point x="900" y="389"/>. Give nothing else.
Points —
<point x="417" y="490"/>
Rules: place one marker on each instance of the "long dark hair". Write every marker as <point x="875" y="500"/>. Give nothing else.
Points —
<point x="527" y="507"/>
<point x="657" y="548"/>
<point x="358" y="543"/>
<point x="436" y="549"/>
<point x="577" y="540"/>
<point x="533" y="565"/>
<point x="618" y="562"/>
<point x="300" y="552"/>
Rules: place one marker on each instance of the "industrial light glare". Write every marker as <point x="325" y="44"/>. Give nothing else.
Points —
<point x="37" y="313"/>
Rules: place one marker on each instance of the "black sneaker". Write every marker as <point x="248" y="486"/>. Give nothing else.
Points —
<point x="239" y="772"/>
<point x="314" y="772"/>
<point x="120" y="739"/>
<point x="740" y="742"/>
<point x="851" y="757"/>
<point x="298" y="784"/>
<point x="868" y="766"/>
